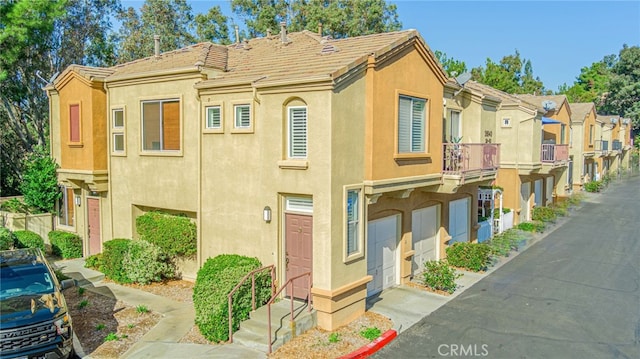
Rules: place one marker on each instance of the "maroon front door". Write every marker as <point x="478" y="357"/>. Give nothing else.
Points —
<point x="299" y="250"/>
<point x="93" y="215"/>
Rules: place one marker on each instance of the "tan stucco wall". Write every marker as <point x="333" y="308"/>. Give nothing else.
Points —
<point x="409" y="75"/>
<point x="519" y="143"/>
<point x="164" y="180"/>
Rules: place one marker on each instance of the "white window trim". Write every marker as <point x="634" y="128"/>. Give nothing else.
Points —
<point x="506" y="122"/>
<point x="244" y="129"/>
<point x="305" y="204"/>
<point x="359" y="252"/>
<point x="206" y="128"/>
<point x="410" y="156"/>
<point x="290" y="154"/>
<point x="118" y="130"/>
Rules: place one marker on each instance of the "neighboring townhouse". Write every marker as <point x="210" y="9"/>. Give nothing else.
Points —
<point x="555" y="179"/>
<point x="582" y="150"/>
<point x="603" y="152"/>
<point x="617" y="132"/>
<point x="518" y="130"/>
<point x="470" y="148"/>
<point x="323" y="157"/>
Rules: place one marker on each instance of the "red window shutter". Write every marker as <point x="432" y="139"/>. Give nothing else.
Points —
<point x="74" y="123"/>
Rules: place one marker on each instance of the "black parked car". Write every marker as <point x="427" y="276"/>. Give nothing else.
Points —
<point x="34" y="320"/>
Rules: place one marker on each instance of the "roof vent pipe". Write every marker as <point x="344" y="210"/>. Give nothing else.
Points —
<point x="268" y="32"/>
<point x="237" y="34"/>
<point x="283" y="32"/>
<point x="156" y="40"/>
<point x="320" y="29"/>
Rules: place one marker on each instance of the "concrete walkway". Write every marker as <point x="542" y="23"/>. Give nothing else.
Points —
<point x="404" y="305"/>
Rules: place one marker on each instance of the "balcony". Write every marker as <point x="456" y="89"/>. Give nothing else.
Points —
<point x="470" y="161"/>
<point x="602" y="147"/>
<point x="616" y="145"/>
<point x="554" y="154"/>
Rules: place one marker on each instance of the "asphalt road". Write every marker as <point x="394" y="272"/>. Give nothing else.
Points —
<point x="574" y="294"/>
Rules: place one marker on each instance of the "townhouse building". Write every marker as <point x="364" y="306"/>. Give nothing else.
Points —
<point x="583" y="129"/>
<point x="323" y="157"/>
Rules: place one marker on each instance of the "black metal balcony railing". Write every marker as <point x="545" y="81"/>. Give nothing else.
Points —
<point x="460" y="158"/>
<point x="602" y="145"/>
<point x="616" y="145"/>
<point x="551" y="153"/>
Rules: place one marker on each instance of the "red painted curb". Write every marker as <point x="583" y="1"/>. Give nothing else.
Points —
<point x="372" y="347"/>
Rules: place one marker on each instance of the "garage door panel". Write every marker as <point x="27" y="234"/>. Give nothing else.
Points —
<point x="382" y="238"/>
<point x="459" y="220"/>
<point x="425" y="223"/>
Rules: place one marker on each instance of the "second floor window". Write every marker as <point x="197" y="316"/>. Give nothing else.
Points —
<point x="214" y="117"/>
<point x="297" y="132"/>
<point x="161" y="125"/>
<point x="242" y="116"/>
<point x="411" y="124"/>
<point x="591" y="134"/>
<point x="74" y="123"/>
<point x="117" y="130"/>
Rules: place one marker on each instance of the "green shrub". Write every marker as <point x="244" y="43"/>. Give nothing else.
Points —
<point x="575" y="199"/>
<point x="28" y="239"/>
<point x="370" y="333"/>
<point x="112" y="259"/>
<point x="66" y="245"/>
<point x="496" y="213"/>
<point x="39" y="181"/>
<point x="439" y="275"/>
<point x="561" y="209"/>
<point x="145" y="262"/>
<point x="544" y="214"/>
<point x="7" y="239"/>
<point x="14" y="205"/>
<point x="176" y="235"/>
<point x="510" y="240"/>
<point x="593" y="186"/>
<point x="214" y="282"/>
<point x="93" y="261"/>
<point x="472" y="256"/>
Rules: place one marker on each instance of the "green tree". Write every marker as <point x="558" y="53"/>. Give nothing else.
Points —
<point x="512" y="75"/>
<point x="592" y="82"/>
<point x="172" y="20"/>
<point x="212" y="26"/>
<point x="40" y="38"/>
<point x="451" y="66"/>
<point x="40" y="185"/>
<point x="623" y="97"/>
<point x="339" y="18"/>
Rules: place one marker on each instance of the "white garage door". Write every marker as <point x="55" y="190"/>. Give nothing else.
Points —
<point x="459" y="220"/>
<point x="424" y="231"/>
<point x="382" y="240"/>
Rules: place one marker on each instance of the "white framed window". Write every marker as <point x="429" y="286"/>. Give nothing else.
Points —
<point x="455" y="128"/>
<point x="297" y="132"/>
<point x="411" y="124"/>
<point x="299" y="204"/>
<point x="563" y="132"/>
<point x="506" y="122"/>
<point x="65" y="207"/>
<point x="242" y="116"/>
<point x="214" y="117"/>
<point x="117" y="131"/>
<point x="353" y="221"/>
<point x="161" y="125"/>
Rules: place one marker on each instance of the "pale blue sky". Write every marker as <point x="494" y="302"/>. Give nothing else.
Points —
<point x="559" y="37"/>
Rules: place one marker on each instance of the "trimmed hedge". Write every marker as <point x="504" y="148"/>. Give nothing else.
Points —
<point x="214" y="282"/>
<point x="145" y="262"/>
<point x="66" y="245"/>
<point x="532" y="226"/>
<point x="176" y="235"/>
<point x="93" y="261"/>
<point x="7" y="239"/>
<point x="472" y="256"/>
<point x="112" y="263"/>
<point x="29" y="239"/>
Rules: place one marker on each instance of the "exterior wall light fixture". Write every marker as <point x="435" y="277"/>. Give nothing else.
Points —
<point x="266" y="214"/>
<point x="78" y="201"/>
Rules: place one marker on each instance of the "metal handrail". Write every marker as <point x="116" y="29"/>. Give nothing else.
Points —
<point x="289" y="282"/>
<point x="253" y="292"/>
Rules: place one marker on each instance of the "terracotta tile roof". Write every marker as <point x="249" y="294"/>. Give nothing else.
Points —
<point x="579" y="110"/>
<point x="306" y="55"/>
<point x="504" y="97"/>
<point x="203" y="54"/>
<point x="89" y="72"/>
<point x="606" y="119"/>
